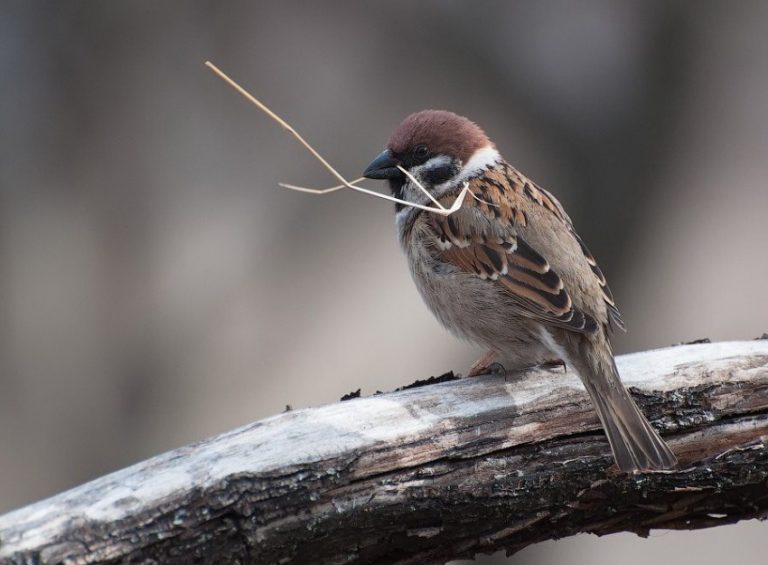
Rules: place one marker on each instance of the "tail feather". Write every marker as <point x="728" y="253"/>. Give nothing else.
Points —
<point x="635" y="444"/>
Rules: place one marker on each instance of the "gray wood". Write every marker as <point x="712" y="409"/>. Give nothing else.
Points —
<point x="428" y="474"/>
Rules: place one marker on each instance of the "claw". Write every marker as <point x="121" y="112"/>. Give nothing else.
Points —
<point x="497" y="370"/>
<point x="482" y="365"/>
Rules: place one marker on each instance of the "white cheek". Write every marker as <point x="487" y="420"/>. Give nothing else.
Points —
<point x="482" y="159"/>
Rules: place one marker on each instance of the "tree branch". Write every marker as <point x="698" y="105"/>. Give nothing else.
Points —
<point x="428" y="474"/>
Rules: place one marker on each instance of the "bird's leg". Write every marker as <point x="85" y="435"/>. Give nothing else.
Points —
<point x="486" y="365"/>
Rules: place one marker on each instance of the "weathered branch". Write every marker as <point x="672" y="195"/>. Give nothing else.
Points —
<point x="428" y="474"/>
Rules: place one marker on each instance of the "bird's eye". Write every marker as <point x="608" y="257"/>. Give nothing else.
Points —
<point x="420" y="151"/>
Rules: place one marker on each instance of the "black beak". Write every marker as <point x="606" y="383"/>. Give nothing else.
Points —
<point x="384" y="166"/>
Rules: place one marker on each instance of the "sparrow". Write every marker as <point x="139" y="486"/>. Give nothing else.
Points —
<point x="508" y="271"/>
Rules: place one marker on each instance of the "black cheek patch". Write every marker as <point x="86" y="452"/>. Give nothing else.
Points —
<point x="440" y="174"/>
<point x="396" y="187"/>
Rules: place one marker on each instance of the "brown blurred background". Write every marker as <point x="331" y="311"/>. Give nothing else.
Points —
<point x="157" y="287"/>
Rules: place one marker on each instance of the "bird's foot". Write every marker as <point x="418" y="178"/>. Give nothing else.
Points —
<point x="487" y="365"/>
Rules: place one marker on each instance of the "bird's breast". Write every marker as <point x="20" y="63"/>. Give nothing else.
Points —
<point x="470" y="307"/>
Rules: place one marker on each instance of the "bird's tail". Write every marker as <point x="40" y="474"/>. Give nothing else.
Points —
<point x="635" y="444"/>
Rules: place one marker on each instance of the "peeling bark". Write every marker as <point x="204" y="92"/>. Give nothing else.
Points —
<point x="428" y="474"/>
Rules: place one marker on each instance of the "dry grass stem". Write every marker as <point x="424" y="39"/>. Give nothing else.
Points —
<point x="344" y="182"/>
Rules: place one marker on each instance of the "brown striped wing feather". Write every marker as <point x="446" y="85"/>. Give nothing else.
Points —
<point x="481" y="239"/>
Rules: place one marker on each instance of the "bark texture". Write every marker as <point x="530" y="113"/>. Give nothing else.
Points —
<point x="428" y="474"/>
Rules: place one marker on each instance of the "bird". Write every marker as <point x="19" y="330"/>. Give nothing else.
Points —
<point x="507" y="269"/>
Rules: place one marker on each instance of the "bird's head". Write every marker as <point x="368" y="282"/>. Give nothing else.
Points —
<point x="440" y="149"/>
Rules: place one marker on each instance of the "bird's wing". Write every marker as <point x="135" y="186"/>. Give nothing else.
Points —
<point x="614" y="316"/>
<point x="484" y="238"/>
<point x="550" y="202"/>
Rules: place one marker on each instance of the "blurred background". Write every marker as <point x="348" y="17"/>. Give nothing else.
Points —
<point x="157" y="287"/>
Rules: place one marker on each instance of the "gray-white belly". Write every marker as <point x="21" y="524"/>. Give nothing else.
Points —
<point x="475" y="309"/>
